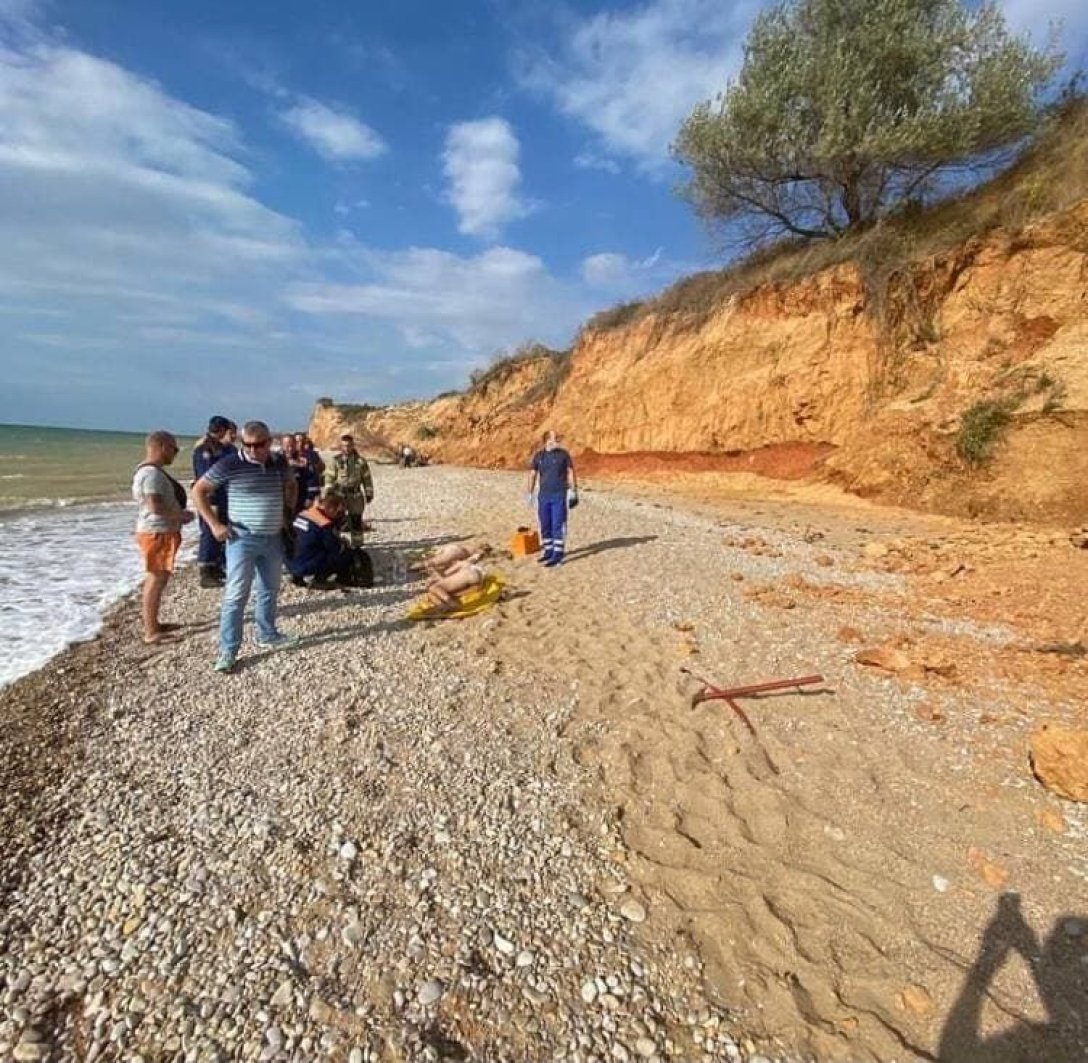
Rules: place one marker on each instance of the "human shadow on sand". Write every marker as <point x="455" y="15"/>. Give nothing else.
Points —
<point x="1059" y="967"/>
<point x="607" y="544"/>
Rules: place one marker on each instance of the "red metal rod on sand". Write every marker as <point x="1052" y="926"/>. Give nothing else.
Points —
<point x="710" y="692"/>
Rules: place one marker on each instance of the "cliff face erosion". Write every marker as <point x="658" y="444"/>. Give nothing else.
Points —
<point x="954" y="383"/>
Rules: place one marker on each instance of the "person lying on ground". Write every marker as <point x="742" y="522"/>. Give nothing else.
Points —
<point x="446" y="590"/>
<point x="320" y="551"/>
<point x="441" y="560"/>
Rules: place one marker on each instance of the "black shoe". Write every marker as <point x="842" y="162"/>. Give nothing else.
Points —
<point x="298" y="581"/>
<point x="318" y="584"/>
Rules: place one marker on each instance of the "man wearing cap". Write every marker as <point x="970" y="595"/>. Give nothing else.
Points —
<point x="349" y="473"/>
<point x="216" y="443"/>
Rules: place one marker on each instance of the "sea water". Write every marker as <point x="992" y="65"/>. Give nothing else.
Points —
<point x="67" y="551"/>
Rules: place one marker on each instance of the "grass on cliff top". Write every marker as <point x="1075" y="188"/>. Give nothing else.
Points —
<point x="506" y="364"/>
<point x="1051" y="175"/>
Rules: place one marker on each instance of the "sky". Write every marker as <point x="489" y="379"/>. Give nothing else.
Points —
<point x="225" y="207"/>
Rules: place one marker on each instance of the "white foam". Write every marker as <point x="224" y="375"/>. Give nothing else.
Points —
<point x="59" y="573"/>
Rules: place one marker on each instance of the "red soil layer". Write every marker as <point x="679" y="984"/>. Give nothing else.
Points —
<point x="779" y="461"/>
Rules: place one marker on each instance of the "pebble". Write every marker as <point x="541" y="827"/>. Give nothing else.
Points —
<point x="284" y="995"/>
<point x="225" y="904"/>
<point x="430" y="991"/>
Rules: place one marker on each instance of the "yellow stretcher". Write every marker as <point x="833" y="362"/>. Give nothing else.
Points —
<point x="472" y="601"/>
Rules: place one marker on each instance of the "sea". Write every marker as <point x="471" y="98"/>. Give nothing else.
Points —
<point x="66" y="536"/>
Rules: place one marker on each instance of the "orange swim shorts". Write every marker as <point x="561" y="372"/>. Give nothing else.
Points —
<point x="160" y="549"/>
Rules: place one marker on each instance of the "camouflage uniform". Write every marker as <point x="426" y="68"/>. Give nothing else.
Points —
<point x="350" y="474"/>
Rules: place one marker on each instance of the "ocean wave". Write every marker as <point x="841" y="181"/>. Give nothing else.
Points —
<point x="13" y="476"/>
<point x="12" y="504"/>
<point x="59" y="572"/>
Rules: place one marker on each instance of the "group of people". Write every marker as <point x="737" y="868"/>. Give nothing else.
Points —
<point x="247" y="493"/>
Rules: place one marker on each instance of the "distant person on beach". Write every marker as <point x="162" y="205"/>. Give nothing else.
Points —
<point x="553" y="467"/>
<point x="262" y="498"/>
<point x="441" y="560"/>
<point x="349" y="473"/>
<point x="158" y="527"/>
<point x="320" y="553"/>
<point x="217" y="442"/>
<point x="459" y="577"/>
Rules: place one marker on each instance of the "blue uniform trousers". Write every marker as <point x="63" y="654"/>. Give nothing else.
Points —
<point x="552" y="512"/>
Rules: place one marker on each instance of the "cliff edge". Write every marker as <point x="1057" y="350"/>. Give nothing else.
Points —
<point x="954" y="381"/>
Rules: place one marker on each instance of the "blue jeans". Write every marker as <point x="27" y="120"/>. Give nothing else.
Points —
<point x="250" y="554"/>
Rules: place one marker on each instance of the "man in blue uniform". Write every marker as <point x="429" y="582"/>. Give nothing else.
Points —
<point x="554" y="469"/>
<point x="216" y="443"/>
<point x="319" y="551"/>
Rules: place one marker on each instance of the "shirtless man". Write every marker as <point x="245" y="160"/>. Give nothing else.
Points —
<point x="461" y="576"/>
<point x="441" y="561"/>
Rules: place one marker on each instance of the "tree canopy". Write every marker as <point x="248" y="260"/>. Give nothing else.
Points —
<point x="845" y="110"/>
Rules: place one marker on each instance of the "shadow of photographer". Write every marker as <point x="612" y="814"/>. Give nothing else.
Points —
<point x="1059" y="967"/>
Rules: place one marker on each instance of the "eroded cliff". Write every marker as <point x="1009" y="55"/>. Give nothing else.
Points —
<point x="958" y="384"/>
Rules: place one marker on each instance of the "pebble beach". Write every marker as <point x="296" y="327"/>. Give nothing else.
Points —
<point x="511" y="837"/>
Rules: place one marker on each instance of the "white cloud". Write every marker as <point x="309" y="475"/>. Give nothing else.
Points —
<point x="614" y="271"/>
<point x="632" y="77"/>
<point x="495" y="299"/>
<point x="333" y="133"/>
<point x="587" y="160"/>
<point x="481" y="164"/>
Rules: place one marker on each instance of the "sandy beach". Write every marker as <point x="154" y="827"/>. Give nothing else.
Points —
<point x="512" y="837"/>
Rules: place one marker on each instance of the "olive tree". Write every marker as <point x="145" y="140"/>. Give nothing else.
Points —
<point x="846" y="109"/>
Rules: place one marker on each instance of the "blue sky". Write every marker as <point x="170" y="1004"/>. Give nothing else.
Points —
<point x="226" y="207"/>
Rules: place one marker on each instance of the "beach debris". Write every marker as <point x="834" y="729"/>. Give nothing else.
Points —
<point x="770" y="596"/>
<point x="940" y="883"/>
<point x="916" y="1000"/>
<point x="632" y="911"/>
<point x="928" y="712"/>
<point x="711" y="692"/>
<point x="1079" y="537"/>
<point x="1064" y="649"/>
<point x="1059" y="760"/>
<point x="1052" y="820"/>
<point x="992" y="873"/>
<point x="886" y="658"/>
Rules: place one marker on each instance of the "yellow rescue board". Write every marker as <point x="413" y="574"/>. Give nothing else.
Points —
<point x="473" y="601"/>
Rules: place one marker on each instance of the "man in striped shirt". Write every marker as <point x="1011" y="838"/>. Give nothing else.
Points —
<point x="262" y="498"/>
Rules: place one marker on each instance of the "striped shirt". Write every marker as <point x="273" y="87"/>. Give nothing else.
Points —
<point x="256" y="491"/>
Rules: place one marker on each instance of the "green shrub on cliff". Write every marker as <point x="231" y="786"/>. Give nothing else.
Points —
<point x="981" y="428"/>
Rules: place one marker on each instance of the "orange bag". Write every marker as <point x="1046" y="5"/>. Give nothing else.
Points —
<point x="525" y="542"/>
